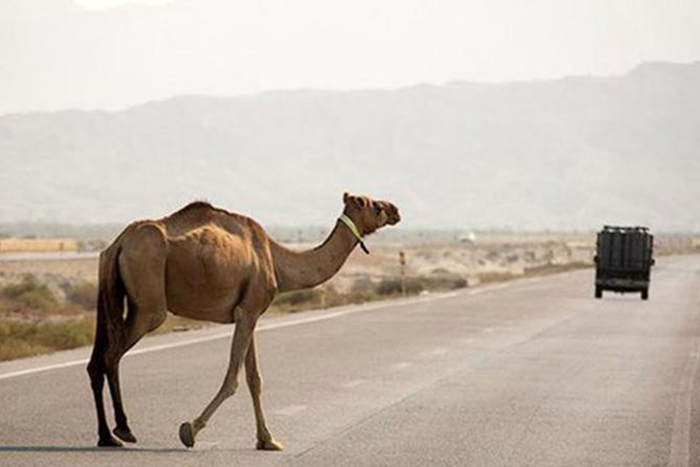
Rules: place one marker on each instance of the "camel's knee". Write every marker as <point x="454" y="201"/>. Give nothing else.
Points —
<point x="229" y="389"/>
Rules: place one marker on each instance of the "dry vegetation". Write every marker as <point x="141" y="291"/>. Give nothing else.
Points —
<point x="34" y="320"/>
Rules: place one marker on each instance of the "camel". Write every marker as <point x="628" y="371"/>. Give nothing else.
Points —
<point x="206" y="263"/>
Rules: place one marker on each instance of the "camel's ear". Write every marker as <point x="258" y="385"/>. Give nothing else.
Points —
<point x="360" y="201"/>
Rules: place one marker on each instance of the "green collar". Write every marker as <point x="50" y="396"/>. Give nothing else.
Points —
<point x="353" y="228"/>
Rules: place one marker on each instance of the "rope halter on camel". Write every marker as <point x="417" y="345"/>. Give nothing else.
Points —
<point x="353" y="228"/>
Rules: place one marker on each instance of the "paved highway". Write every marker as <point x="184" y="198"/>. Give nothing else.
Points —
<point x="531" y="372"/>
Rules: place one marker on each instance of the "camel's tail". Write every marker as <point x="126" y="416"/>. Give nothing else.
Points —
<point x="110" y="303"/>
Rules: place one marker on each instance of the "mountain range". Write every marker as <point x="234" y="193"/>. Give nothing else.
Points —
<point x="570" y="153"/>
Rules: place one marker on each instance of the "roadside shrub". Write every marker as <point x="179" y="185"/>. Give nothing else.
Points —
<point x="387" y="287"/>
<point x="416" y="285"/>
<point x="361" y="291"/>
<point x="494" y="276"/>
<point x="25" y="338"/>
<point x="298" y="300"/>
<point x="448" y="282"/>
<point x="512" y="258"/>
<point x="65" y="334"/>
<point x="297" y="297"/>
<point x="30" y="293"/>
<point x="332" y="296"/>
<point x="83" y="295"/>
<point x="492" y="255"/>
<point x="356" y="297"/>
<point x="362" y="284"/>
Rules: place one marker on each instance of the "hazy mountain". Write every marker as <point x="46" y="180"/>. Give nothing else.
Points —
<point x="569" y="153"/>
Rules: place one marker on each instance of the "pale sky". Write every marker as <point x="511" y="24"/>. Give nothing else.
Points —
<point x="110" y="54"/>
<point x="104" y="4"/>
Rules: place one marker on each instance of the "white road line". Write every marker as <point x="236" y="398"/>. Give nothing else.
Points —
<point x="291" y="410"/>
<point x="401" y="365"/>
<point x="438" y="352"/>
<point x="43" y="368"/>
<point x="680" y="438"/>
<point x="229" y="333"/>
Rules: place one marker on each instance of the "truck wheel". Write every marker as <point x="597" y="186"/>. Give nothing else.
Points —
<point x="645" y="294"/>
<point x="598" y="292"/>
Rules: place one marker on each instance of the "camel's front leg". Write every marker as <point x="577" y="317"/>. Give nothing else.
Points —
<point x="265" y="439"/>
<point x="242" y="336"/>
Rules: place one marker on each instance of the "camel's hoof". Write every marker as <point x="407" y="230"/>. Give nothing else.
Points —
<point x="269" y="445"/>
<point x="109" y="441"/>
<point x="124" y="434"/>
<point x="187" y="434"/>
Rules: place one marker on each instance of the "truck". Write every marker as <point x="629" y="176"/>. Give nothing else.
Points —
<point x="623" y="260"/>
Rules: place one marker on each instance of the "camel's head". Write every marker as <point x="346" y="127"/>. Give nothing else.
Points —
<point x="368" y="214"/>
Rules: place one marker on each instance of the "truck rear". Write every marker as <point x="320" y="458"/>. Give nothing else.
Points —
<point x="624" y="256"/>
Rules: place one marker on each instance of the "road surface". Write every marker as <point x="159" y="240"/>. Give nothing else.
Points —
<point x="533" y="372"/>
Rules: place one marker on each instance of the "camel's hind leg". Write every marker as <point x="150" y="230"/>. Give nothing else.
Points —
<point x="96" y="370"/>
<point x="138" y="324"/>
<point x="142" y="266"/>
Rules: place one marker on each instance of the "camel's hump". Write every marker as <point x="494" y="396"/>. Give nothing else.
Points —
<point x="203" y="209"/>
<point x="194" y="205"/>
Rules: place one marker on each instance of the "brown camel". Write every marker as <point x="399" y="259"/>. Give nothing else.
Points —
<point x="208" y="264"/>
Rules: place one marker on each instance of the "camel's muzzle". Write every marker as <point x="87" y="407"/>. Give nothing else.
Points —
<point x="394" y="218"/>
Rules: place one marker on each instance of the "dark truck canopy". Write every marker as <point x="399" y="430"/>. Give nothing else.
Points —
<point x="623" y="260"/>
<point x="624" y="248"/>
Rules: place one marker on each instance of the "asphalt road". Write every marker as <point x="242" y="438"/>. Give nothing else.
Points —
<point x="531" y="372"/>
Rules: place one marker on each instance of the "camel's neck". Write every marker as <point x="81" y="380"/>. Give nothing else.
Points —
<point x="303" y="269"/>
